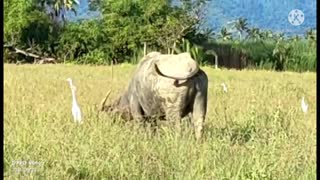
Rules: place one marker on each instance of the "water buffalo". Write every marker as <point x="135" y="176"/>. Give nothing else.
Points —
<point x="165" y="86"/>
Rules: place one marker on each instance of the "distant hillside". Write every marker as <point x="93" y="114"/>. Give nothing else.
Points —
<point x="266" y="14"/>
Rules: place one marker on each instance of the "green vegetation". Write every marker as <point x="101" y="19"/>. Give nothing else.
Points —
<point x="255" y="131"/>
<point x="124" y="26"/>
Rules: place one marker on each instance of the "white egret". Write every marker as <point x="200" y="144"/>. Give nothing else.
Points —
<point x="304" y="105"/>
<point x="76" y="112"/>
<point x="224" y="86"/>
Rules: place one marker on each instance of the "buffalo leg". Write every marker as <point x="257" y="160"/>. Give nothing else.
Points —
<point x="136" y="109"/>
<point x="174" y="117"/>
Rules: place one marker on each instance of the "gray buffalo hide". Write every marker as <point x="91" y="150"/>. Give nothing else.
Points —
<point x="152" y="93"/>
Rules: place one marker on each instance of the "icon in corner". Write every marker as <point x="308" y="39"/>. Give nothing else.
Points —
<point x="296" y="17"/>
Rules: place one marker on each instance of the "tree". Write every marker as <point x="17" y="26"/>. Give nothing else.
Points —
<point x="295" y="38"/>
<point x="59" y="8"/>
<point x="265" y="35"/>
<point x="281" y="53"/>
<point x="182" y="20"/>
<point x="129" y="24"/>
<point x="311" y="36"/>
<point x="31" y="26"/>
<point x="15" y="13"/>
<point x="254" y="34"/>
<point x="26" y="23"/>
<point x="208" y="33"/>
<point x="241" y="25"/>
<point x="224" y="34"/>
<point x="278" y="37"/>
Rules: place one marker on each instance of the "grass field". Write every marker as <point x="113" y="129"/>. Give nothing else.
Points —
<point x="256" y="130"/>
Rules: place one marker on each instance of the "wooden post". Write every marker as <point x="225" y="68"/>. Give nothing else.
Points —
<point x="145" y="48"/>
<point x="216" y="61"/>
<point x="174" y="47"/>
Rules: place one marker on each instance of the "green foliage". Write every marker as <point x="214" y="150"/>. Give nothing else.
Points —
<point x="224" y="34"/>
<point x="60" y="7"/>
<point x="130" y="23"/>
<point x="27" y="25"/>
<point x="137" y="56"/>
<point x="82" y="39"/>
<point x="281" y="53"/>
<point x="15" y="19"/>
<point x="302" y="57"/>
<point x="257" y="51"/>
<point x="241" y="26"/>
<point x="292" y="54"/>
<point x="39" y="29"/>
<point x="197" y="52"/>
<point x="96" y="56"/>
<point x="125" y="25"/>
<point x="121" y="20"/>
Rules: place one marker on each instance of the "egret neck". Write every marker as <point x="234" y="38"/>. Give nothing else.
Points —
<point x="74" y="100"/>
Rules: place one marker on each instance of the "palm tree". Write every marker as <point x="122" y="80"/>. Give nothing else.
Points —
<point x="224" y="34"/>
<point x="205" y="34"/>
<point x="311" y="34"/>
<point x="267" y="34"/>
<point x="241" y="25"/>
<point x="254" y="33"/>
<point x="279" y="37"/>
<point x="295" y="38"/>
<point x="60" y="7"/>
<point x="281" y="53"/>
<point x="208" y="33"/>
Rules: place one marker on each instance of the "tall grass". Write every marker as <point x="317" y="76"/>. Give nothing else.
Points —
<point x="196" y="52"/>
<point x="301" y="57"/>
<point x="255" y="131"/>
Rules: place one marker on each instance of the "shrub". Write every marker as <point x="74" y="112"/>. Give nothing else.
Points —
<point x="80" y="38"/>
<point x="97" y="57"/>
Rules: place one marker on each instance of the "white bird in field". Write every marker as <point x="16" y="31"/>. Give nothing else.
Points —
<point x="304" y="105"/>
<point x="76" y="112"/>
<point x="224" y="86"/>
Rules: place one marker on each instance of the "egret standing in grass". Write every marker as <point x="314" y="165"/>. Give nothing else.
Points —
<point x="224" y="87"/>
<point x="76" y="112"/>
<point x="304" y="105"/>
